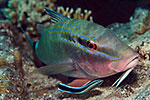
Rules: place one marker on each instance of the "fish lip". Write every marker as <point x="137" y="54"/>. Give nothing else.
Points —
<point x="132" y="62"/>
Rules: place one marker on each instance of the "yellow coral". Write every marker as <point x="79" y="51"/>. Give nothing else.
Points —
<point x="77" y="14"/>
<point x="28" y="13"/>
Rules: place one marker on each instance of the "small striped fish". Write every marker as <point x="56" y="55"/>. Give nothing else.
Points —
<point x="81" y="49"/>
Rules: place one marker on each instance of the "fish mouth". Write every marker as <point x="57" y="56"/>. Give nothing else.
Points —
<point x="132" y="62"/>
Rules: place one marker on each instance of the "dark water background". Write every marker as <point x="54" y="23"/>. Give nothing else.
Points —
<point x="106" y="12"/>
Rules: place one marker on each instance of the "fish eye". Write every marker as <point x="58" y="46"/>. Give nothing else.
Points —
<point x="92" y="46"/>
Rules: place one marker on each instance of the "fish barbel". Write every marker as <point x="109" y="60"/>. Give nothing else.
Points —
<point x="81" y="49"/>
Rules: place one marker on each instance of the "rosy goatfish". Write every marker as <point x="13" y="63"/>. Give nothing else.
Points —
<point x="83" y="50"/>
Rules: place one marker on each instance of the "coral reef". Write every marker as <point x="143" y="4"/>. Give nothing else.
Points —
<point x="28" y="13"/>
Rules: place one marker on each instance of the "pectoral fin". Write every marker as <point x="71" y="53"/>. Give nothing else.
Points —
<point x="41" y="28"/>
<point x="79" y="86"/>
<point x="54" y="69"/>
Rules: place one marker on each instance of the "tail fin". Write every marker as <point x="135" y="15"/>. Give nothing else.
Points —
<point x="28" y="38"/>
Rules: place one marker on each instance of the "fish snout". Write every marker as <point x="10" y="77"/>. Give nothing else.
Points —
<point x="126" y="63"/>
<point x="131" y="62"/>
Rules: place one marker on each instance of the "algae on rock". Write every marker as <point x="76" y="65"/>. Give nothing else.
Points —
<point x="11" y="73"/>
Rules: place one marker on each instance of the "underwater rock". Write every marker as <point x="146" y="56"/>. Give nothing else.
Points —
<point x="122" y="30"/>
<point x="11" y="72"/>
<point x="140" y="21"/>
<point x="138" y="27"/>
<point x="136" y="34"/>
<point x="144" y="94"/>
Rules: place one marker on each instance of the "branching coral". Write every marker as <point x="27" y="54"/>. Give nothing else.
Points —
<point x="77" y="14"/>
<point x="28" y="13"/>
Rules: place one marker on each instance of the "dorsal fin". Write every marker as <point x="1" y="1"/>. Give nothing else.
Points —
<point x="40" y="28"/>
<point x="56" y="17"/>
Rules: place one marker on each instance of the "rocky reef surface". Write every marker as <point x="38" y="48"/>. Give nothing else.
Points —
<point x="17" y="60"/>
